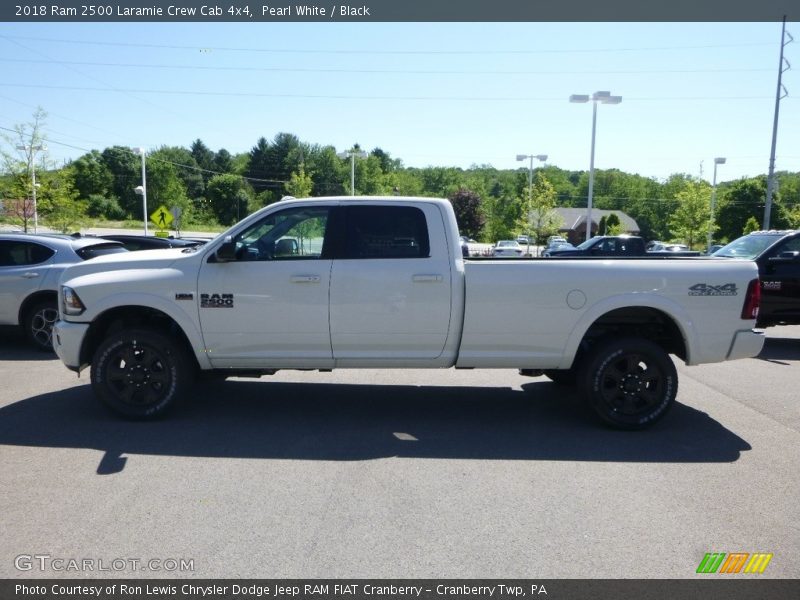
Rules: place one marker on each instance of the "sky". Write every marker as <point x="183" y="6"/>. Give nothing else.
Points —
<point x="430" y="94"/>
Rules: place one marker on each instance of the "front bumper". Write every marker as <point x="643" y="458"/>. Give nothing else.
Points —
<point x="67" y="342"/>
<point x="746" y="344"/>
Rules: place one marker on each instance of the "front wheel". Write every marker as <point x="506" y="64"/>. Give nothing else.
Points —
<point x="38" y="324"/>
<point x="140" y="374"/>
<point x="629" y="382"/>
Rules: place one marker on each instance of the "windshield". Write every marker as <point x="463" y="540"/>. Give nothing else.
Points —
<point x="587" y="244"/>
<point x="747" y="247"/>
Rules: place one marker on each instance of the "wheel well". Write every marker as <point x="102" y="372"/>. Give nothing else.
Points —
<point x="649" y="323"/>
<point x="34" y="299"/>
<point x="127" y="317"/>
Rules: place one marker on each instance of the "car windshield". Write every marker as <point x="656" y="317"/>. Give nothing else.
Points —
<point x="508" y="243"/>
<point x="747" y="247"/>
<point x="587" y="244"/>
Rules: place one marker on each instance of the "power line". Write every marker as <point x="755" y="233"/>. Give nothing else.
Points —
<point x="187" y="67"/>
<point x="373" y="51"/>
<point x="363" y="97"/>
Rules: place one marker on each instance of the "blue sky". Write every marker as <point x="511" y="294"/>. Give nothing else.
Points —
<point x="442" y="94"/>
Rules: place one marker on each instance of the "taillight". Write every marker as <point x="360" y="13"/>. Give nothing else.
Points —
<point x="752" y="300"/>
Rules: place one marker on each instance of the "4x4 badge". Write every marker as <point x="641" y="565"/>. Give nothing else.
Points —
<point x="705" y="289"/>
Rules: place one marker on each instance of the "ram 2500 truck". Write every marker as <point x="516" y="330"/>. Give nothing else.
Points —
<point x="329" y="283"/>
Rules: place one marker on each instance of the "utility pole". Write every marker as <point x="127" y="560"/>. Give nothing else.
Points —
<point x="780" y="94"/>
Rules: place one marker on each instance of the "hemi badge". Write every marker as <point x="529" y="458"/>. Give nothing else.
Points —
<point x="184" y="296"/>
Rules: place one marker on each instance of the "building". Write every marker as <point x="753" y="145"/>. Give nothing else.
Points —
<point x="574" y="226"/>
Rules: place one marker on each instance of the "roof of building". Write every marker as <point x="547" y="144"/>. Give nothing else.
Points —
<point x="575" y="218"/>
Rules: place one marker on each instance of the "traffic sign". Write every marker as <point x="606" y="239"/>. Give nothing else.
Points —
<point x="162" y="217"/>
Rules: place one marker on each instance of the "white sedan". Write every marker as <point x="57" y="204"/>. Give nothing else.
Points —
<point x="508" y="248"/>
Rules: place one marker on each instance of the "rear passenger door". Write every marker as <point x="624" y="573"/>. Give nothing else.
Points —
<point x="390" y="285"/>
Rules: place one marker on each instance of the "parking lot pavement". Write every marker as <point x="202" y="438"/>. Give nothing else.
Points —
<point x="402" y="474"/>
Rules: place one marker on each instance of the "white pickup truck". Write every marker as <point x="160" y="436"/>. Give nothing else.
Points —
<point x="330" y="283"/>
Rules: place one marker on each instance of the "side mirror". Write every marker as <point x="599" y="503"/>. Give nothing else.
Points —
<point x="226" y="252"/>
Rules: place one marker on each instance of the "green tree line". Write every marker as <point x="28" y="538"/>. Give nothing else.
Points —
<point x="217" y="188"/>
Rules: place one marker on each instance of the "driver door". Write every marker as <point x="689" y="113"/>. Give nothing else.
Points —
<point x="268" y="307"/>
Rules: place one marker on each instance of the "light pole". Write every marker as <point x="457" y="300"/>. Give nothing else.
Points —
<point x="541" y="158"/>
<point x="717" y="161"/>
<point x="602" y="98"/>
<point x="141" y="190"/>
<point x="352" y="154"/>
<point x="31" y="151"/>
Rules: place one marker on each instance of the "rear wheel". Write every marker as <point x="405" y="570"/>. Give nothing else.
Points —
<point x="629" y="382"/>
<point x="140" y="374"/>
<point x="38" y="324"/>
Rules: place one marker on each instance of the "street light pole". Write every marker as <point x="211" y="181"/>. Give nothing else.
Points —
<point x="142" y="189"/>
<point x="602" y="98"/>
<point x="542" y="158"/>
<point x="31" y="154"/>
<point x="352" y="154"/>
<point x="717" y="161"/>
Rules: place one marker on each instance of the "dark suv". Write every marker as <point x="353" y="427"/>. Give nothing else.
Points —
<point x="777" y="254"/>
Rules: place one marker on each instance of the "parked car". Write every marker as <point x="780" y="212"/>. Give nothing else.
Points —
<point x="142" y="242"/>
<point x="616" y="246"/>
<point x="523" y="239"/>
<point x="556" y="240"/>
<point x="30" y="266"/>
<point x="506" y="248"/>
<point x="777" y="254"/>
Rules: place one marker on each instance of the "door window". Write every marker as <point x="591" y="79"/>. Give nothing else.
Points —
<point x="291" y="234"/>
<point x="386" y="232"/>
<point x="17" y="254"/>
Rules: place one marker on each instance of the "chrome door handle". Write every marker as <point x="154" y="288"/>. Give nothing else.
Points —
<point x="305" y="279"/>
<point x="427" y="278"/>
<point x="30" y="275"/>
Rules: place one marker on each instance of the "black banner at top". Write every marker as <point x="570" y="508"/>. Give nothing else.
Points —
<point x="277" y="11"/>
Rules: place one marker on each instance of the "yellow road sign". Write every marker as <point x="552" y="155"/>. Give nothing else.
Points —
<point x="162" y="217"/>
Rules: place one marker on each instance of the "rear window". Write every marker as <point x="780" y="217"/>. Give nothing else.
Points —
<point x="19" y="253"/>
<point x="386" y="232"/>
<point x="96" y="250"/>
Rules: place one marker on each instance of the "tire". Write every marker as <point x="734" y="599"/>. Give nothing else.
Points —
<point x="630" y="383"/>
<point x="38" y="324"/>
<point x="140" y="373"/>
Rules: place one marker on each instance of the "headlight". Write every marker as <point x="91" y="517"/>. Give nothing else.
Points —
<point x="70" y="301"/>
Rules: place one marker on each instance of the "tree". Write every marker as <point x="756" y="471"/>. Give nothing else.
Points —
<point x="229" y="196"/>
<point x="60" y="206"/>
<point x="541" y="218"/>
<point x="750" y="226"/>
<point x="92" y="176"/>
<point x="184" y="166"/>
<point x="614" y="225"/>
<point x="27" y="141"/>
<point x="126" y="168"/>
<point x="300" y="184"/>
<point x="469" y="215"/>
<point x="691" y="221"/>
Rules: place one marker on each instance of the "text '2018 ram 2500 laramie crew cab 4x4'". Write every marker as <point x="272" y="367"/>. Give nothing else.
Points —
<point x="329" y="283"/>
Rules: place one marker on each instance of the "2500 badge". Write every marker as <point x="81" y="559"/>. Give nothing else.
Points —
<point x="216" y="300"/>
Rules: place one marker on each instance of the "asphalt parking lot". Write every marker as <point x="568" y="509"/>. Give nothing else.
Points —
<point x="398" y="474"/>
